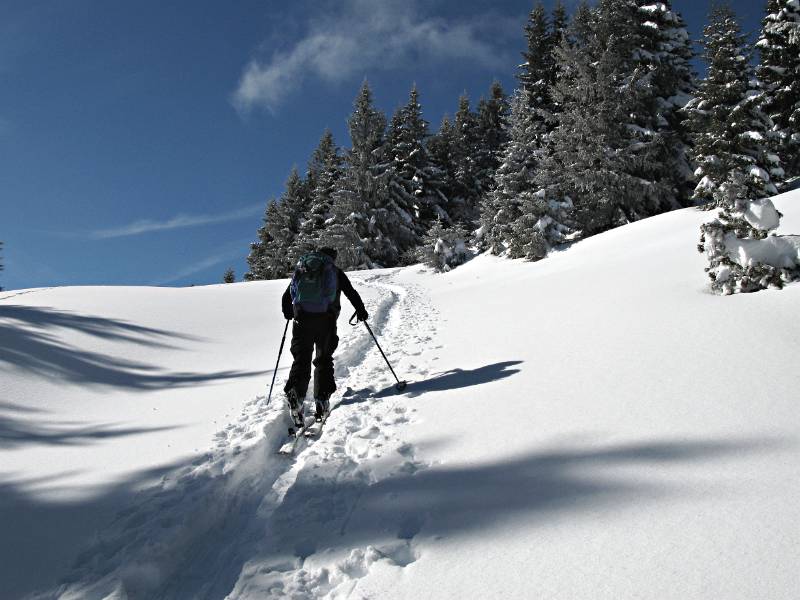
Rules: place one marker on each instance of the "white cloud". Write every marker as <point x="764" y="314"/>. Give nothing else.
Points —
<point x="177" y="222"/>
<point x="224" y="256"/>
<point x="361" y="35"/>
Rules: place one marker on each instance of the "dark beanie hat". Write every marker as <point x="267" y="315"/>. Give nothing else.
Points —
<point x="329" y="251"/>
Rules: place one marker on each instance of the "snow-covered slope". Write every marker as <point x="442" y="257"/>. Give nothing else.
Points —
<point x="596" y="425"/>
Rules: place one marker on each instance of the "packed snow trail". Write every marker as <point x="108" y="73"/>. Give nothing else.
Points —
<point x="244" y="520"/>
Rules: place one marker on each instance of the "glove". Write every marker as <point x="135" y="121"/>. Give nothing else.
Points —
<point x="288" y="316"/>
<point x="362" y="314"/>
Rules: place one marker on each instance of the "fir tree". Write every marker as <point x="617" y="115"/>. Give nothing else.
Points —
<point x="262" y="260"/>
<point x="324" y="171"/>
<point x="736" y="165"/>
<point x="294" y="205"/>
<point x="492" y="126"/>
<point x="354" y="233"/>
<point x="441" y="148"/>
<point x="413" y="180"/>
<point x="731" y="133"/>
<point x="601" y="157"/>
<point x="514" y="178"/>
<point x="443" y="248"/>
<point x="665" y="58"/>
<point x="559" y="25"/>
<point x="534" y="75"/>
<point x="463" y="205"/>
<point x="779" y="75"/>
<point x="229" y="276"/>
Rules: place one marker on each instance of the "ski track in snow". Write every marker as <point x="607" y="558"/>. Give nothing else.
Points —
<point x="243" y="521"/>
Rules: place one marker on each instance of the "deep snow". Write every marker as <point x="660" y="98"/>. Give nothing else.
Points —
<point x="595" y="425"/>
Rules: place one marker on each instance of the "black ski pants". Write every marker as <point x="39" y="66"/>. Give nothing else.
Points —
<point x="313" y="333"/>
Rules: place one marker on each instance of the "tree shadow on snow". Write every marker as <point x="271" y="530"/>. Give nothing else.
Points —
<point x="206" y="527"/>
<point x="461" y="500"/>
<point x="449" y="380"/>
<point x="29" y="341"/>
<point x="15" y="433"/>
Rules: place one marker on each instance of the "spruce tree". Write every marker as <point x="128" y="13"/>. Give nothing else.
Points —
<point x="353" y="232"/>
<point x="514" y="178"/>
<point x="665" y="58"/>
<point x="413" y="180"/>
<point x="324" y="171"/>
<point x="463" y="206"/>
<point x="732" y="147"/>
<point x="294" y="205"/>
<point x="492" y="126"/>
<point x="534" y="75"/>
<point x="229" y="276"/>
<point x="604" y="155"/>
<point x="531" y="121"/>
<point x="443" y="248"/>
<point x="731" y="133"/>
<point x="262" y="261"/>
<point x="779" y="75"/>
<point x="441" y="148"/>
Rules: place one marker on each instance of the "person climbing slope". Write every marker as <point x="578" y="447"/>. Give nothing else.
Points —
<point x="312" y="301"/>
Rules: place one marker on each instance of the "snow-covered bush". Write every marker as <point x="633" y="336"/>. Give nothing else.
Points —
<point x="743" y="256"/>
<point x="444" y="249"/>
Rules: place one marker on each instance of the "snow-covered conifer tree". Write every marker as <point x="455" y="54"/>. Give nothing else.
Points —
<point x="600" y="157"/>
<point x="293" y="206"/>
<point x="353" y="231"/>
<point x="732" y="135"/>
<point x="669" y="83"/>
<point x="440" y="148"/>
<point x="443" y="248"/>
<point x="530" y="123"/>
<point x="463" y="205"/>
<point x="324" y="170"/>
<point x="412" y="178"/>
<point x="514" y="177"/>
<point x="736" y="164"/>
<point x="263" y="260"/>
<point x="779" y="77"/>
<point x="492" y="125"/>
<point x="534" y="75"/>
<point x="229" y="276"/>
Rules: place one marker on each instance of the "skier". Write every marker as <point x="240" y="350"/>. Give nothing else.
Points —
<point x="312" y="301"/>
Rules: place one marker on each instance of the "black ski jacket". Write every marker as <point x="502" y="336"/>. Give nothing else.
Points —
<point x="342" y="285"/>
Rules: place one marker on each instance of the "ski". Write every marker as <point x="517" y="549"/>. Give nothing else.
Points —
<point x="295" y="435"/>
<point x="316" y="428"/>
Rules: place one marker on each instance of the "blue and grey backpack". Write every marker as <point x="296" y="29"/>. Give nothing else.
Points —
<point x="313" y="286"/>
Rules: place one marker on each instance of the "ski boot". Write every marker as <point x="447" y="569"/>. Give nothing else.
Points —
<point x="295" y="404"/>
<point x="323" y="407"/>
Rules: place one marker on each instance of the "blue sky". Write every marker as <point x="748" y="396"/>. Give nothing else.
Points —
<point x="140" y="141"/>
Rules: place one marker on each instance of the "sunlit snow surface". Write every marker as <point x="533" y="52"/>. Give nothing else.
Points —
<point x="595" y="425"/>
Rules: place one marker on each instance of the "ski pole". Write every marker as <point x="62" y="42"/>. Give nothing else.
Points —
<point x="280" y="351"/>
<point x="401" y="385"/>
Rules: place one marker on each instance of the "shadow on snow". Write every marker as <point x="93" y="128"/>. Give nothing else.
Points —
<point x="449" y="380"/>
<point x="213" y="524"/>
<point x="28" y="341"/>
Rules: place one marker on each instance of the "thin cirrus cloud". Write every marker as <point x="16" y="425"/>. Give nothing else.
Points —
<point x="360" y="35"/>
<point x="223" y="257"/>
<point x="178" y="222"/>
